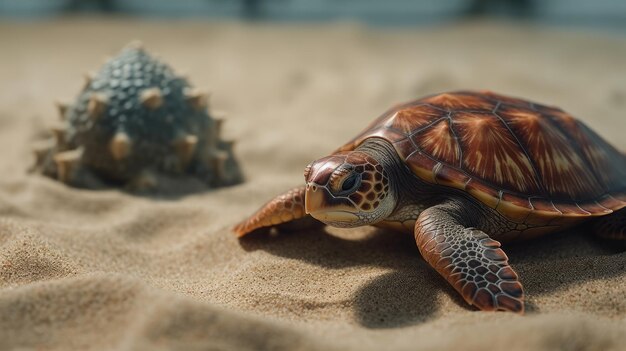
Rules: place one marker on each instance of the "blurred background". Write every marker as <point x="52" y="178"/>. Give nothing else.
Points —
<point x="606" y="14"/>
<point x="327" y="67"/>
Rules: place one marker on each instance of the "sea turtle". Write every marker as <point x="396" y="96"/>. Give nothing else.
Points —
<point x="464" y="171"/>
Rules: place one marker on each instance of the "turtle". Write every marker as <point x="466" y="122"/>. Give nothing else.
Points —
<point x="463" y="172"/>
<point x="134" y="122"/>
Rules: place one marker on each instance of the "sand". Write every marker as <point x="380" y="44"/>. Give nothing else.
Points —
<point x="102" y="270"/>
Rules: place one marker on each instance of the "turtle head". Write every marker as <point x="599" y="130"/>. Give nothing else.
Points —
<point x="348" y="190"/>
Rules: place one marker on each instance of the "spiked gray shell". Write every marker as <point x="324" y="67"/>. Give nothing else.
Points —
<point x="137" y="116"/>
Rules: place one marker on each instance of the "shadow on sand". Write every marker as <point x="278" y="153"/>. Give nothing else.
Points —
<point x="383" y="302"/>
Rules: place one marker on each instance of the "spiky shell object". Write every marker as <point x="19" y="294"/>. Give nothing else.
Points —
<point x="133" y="120"/>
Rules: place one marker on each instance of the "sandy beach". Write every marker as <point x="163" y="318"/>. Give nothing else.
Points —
<point x="108" y="270"/>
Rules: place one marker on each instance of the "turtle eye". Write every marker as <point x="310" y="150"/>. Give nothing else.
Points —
<point x="349" y="182"/>
<point x="342" y="180"/>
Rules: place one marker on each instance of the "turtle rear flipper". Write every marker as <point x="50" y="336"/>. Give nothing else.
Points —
<point x="612" y="226"/>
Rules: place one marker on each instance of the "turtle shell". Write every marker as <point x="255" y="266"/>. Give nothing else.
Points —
<point x="534" y="164"/>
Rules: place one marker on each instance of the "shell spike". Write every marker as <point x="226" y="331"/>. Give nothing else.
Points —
<point x="120" y="146"/>
<point x="67" y="162"/>
<point x="62" y="107"/>
<point x="183" y="74"/>
<point x="218" y="123"/>
<point x="88" y="76"/>
<point x="219" y="114"/>
<point x="218" y="162"/>
<point x="229" y="144"/>
<point x="41" y="149"/>
<point x="146" y="180"/>
<point x="151" y="98"/>
<point x="59" y="132"/>
<point x="185" y="146"/>
<point x="197" y="99"/>
<point x="97" y="104"/>
<point x="134" y="45"/>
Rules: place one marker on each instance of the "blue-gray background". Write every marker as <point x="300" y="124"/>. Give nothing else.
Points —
<point x="598" y="14"/>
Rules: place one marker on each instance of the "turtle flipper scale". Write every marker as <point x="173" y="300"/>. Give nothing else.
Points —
<point x="471" y="262"/>
<point x="285" y="208"/>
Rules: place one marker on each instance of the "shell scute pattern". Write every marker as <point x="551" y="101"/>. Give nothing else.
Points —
<point x="482" y="191"/>
<point x="594" y="149"/>
<point x="439" y="141"/>
<point x="499" y="99"/>
<point x="411" y="119"/>
<point x="529" y="161"/>
<point x="493" y="154"/>
<point x="562" y="170"/>
<point x="461" y="100"/>
<point x="518" y="208"/>
<point x="449" y="176"/>
<point x="422" y="165"/>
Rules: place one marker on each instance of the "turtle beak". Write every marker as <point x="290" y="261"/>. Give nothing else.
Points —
<point x="323" y="206"/>
<point x="314" y="198"/>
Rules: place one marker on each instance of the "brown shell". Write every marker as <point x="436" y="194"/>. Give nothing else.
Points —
<point x="532" y="163"/>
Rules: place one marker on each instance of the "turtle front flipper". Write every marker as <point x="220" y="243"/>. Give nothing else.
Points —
<point x="472" y="262"/>
<point x="612" y="226"/>
<point x="288" y="207"/>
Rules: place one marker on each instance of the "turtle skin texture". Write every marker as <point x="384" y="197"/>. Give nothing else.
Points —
<point x="136" y="120"/>
<point x="472" y="170"/>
